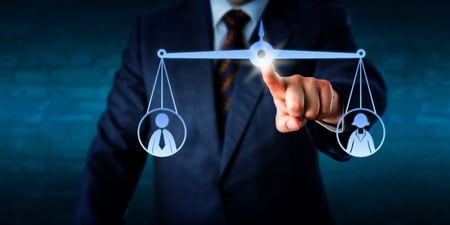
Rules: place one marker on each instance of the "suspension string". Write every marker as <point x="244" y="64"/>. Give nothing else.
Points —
<point x="161" y="63"/>
<point x="166" y="74"/>
<point x="353" y="86"/>
<point x="368" y="86"/>
<point x="360" y="84"/>
<point x="162" y="85"/>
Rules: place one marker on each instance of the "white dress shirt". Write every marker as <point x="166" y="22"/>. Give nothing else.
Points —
<point x="219" y="8"/>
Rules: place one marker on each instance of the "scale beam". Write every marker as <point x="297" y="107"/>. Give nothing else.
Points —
<point x="246" y="54"/>
<point x="261" y="53"/>
<point x="294" y="54"/>
<point x="228" y="54"/>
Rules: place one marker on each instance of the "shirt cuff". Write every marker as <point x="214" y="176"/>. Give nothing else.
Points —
<point x="331" y="127"/>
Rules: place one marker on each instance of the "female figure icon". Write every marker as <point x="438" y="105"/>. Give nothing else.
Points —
<point x="164" y="146"/>
<point x="360" y="143"/>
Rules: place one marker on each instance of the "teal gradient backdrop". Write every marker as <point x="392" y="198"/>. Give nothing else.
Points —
<point x="58" y="58"/>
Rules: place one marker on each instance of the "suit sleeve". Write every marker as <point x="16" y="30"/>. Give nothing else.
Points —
<point x="115" y="159"/>
<point x="338" y="37"/>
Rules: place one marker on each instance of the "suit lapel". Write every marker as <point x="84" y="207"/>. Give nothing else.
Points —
<point x="194" y="79"/>
<point x="249" y="86"/>
<point x="194" y="82"/>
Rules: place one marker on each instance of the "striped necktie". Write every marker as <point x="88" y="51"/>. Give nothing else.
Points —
<point x="226" y="69"/>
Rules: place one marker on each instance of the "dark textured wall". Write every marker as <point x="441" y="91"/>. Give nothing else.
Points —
<point x="408" y="180"/>
<point x="57" y="60"/>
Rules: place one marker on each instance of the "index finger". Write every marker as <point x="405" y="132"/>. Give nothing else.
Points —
<point x="274" y="82"/>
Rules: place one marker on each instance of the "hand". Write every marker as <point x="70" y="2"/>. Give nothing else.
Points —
<point x="299" y="99"/>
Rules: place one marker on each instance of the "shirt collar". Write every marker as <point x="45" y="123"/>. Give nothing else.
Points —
<point x="253" y="8"/>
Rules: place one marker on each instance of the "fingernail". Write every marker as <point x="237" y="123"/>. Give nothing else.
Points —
<point x="292" y="125"/>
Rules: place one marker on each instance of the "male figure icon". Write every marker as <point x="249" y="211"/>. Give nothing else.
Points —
<point x="154" y="145"/>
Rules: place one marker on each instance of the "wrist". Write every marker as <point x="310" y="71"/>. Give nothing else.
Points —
<point x="336" y="110"/>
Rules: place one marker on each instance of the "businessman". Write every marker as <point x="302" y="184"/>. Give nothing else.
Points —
<point x="251" y="156"/>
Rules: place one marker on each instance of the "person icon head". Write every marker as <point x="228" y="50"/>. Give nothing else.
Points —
<point x="162" y="120"/>
<point x="360" y="120"/>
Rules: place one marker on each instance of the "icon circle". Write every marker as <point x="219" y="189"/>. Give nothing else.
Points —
<point x="158" y="120"/>
<point x="358" y="111"/>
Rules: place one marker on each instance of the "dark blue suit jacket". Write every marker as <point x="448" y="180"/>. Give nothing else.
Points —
<point x="255" y="175"/>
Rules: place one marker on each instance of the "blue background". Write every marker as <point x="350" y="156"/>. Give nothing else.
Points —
<point x="57" y="60"/>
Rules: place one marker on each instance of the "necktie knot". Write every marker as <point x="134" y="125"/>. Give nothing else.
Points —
<point x="235" y="19"/>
